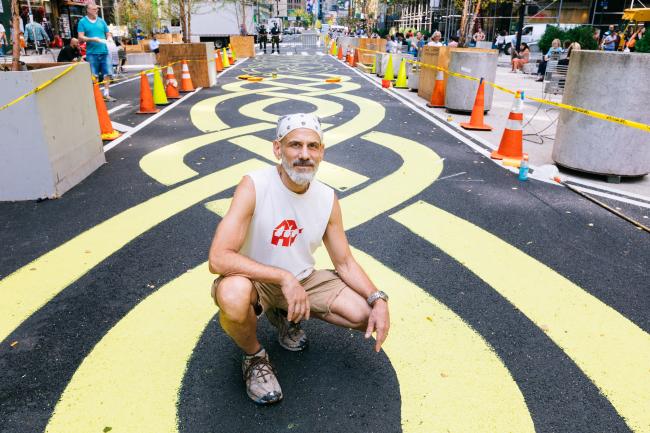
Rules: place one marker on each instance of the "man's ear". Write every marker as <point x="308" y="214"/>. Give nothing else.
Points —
<point x="277" y="149"/>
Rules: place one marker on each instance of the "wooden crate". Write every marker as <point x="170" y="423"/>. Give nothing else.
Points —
<point x="200" y="58"/>
<point x="438" y="56"/>
<point x="375" y="44"/>
<point x="244" y="45"/>
<point x="133" y="48"/>
<point x="164" y="38"/>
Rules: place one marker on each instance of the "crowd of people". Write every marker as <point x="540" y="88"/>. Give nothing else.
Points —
<point x="614" y="39"/>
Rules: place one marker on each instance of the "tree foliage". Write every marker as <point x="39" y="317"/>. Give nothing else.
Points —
<point x="582" y="34"/>
<point x="140" y="12"/>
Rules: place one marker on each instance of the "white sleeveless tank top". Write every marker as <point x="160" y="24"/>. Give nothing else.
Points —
<point x="286" y="227"/>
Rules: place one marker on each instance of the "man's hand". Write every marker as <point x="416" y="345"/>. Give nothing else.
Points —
<point x="297" y="300"/>
<point x="379" y="321"/>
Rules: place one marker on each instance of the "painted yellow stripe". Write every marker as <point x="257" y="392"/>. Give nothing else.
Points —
<point x="166" y="164"/>
<point x="131" y="379"/>
<point x="450" y="379"/>
<point x="337" y="177"/>
<point x="203" y="114"/>
<point x="30" y="287"/>
<point x="371" y="114"/>
<point x="611" y="350"/>
<point x="256" y="109"/>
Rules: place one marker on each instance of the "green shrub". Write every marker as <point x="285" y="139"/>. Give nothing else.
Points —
<point x="643" y="44"/>
<point x="582" y="34"/>
<point x="552" y="32"/>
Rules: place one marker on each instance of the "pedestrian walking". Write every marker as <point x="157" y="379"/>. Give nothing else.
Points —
<point x="36" y="36"/>
<point x="609" y="41"/>
<point x="275" y="38"/>
<point x="262" y="36"/>
<point x="154" y="46"/>
<point x="93" y="30"/>
<point x="263" y="252"/>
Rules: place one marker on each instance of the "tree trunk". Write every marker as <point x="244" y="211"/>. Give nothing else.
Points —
<point x="15" y="62"/>
<point x="182" y="16"/>
<point x="477" y="9"/>
<point x="463" y="23"/>
<point x="243" y="18"/>
<point x="188" y="20"/>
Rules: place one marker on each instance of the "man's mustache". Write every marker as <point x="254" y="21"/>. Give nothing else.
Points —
<point x="303" y="163"/>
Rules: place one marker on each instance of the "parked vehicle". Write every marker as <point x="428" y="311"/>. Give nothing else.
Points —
<point x="531" y="34"/>
<point x="217" y="22"/>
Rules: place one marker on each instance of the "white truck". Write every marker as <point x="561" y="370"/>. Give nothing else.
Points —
<point x="217" y="21"/>
<point x="531" y="34"/>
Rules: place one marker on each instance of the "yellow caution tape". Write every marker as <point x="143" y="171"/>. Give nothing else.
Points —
<point x="595" y="114"/>
<point x="40" y="87"/>
<point x="74" y="65"/>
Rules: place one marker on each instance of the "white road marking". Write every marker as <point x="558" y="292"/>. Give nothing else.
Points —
<point x="119" y="107"/>
<point x="135" y="129"/>
<point x="121" y="127"/>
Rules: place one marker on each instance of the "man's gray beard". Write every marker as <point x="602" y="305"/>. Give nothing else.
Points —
<point x="299" y="178"/>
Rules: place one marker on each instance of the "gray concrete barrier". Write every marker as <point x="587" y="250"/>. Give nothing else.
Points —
<point x="460" y="92"/>
<point x="50" y="140"/>
<point x="612" y="83"/>
<point x="382" y="62"/>
<point x="144" y="59"/>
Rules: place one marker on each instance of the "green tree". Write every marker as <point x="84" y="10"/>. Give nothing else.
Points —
<point x="582" y="34"/>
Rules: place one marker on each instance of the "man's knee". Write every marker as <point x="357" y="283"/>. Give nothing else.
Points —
<point x="234" y="297"/>
<point x="359" y="317"/>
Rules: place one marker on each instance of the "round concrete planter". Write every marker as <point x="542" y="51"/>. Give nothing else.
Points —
<point x="461" y="92"/>
<point x="615" y="83"/>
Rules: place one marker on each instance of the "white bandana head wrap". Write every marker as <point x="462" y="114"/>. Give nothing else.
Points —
<point x="288" y="123"/>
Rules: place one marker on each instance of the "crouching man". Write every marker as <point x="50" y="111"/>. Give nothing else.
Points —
<point x="263" y="251"/>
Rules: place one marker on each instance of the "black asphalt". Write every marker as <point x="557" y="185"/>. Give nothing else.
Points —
<point x="339" y="384"/>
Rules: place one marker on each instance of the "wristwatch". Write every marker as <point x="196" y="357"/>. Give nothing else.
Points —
<point x="377" y="295"/>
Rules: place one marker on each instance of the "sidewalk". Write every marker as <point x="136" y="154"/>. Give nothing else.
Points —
<point x="540" y="123"/>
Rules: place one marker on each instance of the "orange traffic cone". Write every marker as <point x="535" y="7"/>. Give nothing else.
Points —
<point x="146" y="97"/>
<point x="172" y="85"/>
<point x="105" y="125"/>
<point x="476" y="121"/>
<point x="355" y="58"/>
<point x="186" y="79"/>
<point x="511" y="141"/>
<point x="217" y="60"/>
<point x="339" y="55"/>
<point x="438" y="95"/>
<point x="348" y="58"/>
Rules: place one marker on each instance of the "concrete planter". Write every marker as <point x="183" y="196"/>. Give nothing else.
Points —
<point x="608" y="82"/>
<point x="50" y="140"/>
<point x="460" y="92"/>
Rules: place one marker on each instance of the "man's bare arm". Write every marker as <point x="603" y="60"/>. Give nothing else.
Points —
<point x="353" y="275"/>
<point x="225" y="259"/>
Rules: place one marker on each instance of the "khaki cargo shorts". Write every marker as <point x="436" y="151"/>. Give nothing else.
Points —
<point x="322" y="288"/>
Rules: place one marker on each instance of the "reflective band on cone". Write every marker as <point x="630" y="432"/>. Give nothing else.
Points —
<point x="511" y="145"/>
<point x="186" y="79"/>
<point x="172" y="85"/>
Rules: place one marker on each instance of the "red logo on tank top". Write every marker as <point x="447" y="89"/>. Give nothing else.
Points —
<point x="285" y="234"/>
